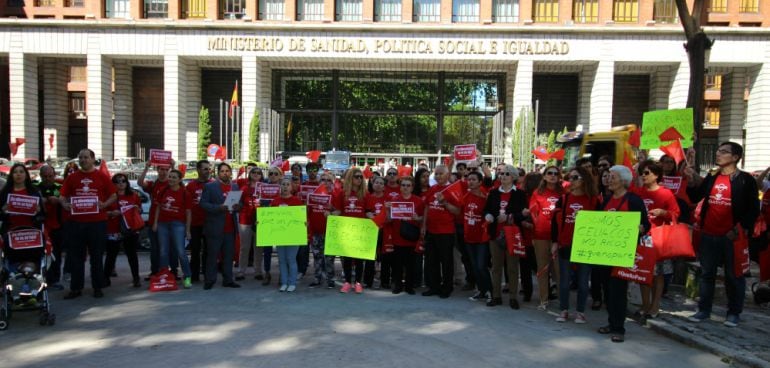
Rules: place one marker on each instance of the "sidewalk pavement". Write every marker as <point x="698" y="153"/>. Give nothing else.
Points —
<point x="746" y="345"/>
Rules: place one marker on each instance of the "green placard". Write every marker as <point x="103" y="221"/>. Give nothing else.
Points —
<point x="351" y="237"/>
<point x="656" y="122"/>
<point x="605" y="238"/>
<point x="281" y="226"/>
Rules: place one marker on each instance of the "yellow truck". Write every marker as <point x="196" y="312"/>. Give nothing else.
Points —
<point x="594" y="145"/>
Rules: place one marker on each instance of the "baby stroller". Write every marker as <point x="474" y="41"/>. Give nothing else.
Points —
<point x="25" y="257"/>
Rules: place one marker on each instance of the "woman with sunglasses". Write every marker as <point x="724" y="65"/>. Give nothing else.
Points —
<point x="401" y="250"/>
<point x="661" y="208"/>
<point x="287" y="255"/>
<point x="375" y="204"/>
<point x="274" y="176"/>
<point x="541" y="206"/>
<point x="246" y="224"/>
<point x="350" y="202"/>
<point x="392" y="189"/>
<point x="583" y="195"/>
<point x="172" y="223"/>
<point x="128" y="200"/>
<point x="319" y="206"/>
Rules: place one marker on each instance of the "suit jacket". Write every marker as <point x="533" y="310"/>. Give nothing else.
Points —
<point x="212" y="199"/>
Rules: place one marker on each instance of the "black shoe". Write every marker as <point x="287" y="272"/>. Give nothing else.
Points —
<point x="444" y="295"/>
<point x="528" y="297"/>
<point x="73" y="294"/>
<point x="430" y="292"/>
<point x="330" y="284"/>
<point x="231" y="285"/>
<point x="315" y="284"/>
<point x="397" y="290"/>
<point x="596" y="305"/>
<point x="267" y="280"/>
<point x="258" y="277"/>
<point x="136" y="282"/>
<point x="208" y="285"/>
<point x="98" y="293"/>
<point x="410" y="291"/>
<point x="494" y="302"/>
<point x="385" y="285"/>
<point x="114" y="274"/>
<point x="514" y="304"/>
<point x="240" y="278"/>
<point x="107" y="282"/>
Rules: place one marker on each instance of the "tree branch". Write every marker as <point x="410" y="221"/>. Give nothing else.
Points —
<point x="686" y="18"/>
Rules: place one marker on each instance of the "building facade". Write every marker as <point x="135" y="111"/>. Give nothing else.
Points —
<point x="122" y="76"/>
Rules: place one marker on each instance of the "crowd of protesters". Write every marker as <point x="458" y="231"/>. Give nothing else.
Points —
<point x="414" y="251"/>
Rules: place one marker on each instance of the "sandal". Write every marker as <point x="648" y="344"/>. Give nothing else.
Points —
<point x="617" y="338"/>
<point x="604" y="330"/>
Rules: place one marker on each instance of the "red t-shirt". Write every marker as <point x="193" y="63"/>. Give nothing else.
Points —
<point x="392" y="193"/>
<point x="290" y="201"/>
<point x="153" y="189"/>
<point x="20" y="220"/>
<point x="194" y="190"/>
<point x="542" y="205"/>
<point x="92" y="183"/>
<point x="113" y="224"/>
<point x="350" y="206"/>
<point x="173" y="204"/>
<point x="617" y="204"/>
<point x="316" y="214"/>
<point x="575" y="203"/>
<point x="766" y="206"/>
<point x="719" y="217"/>
<point x="662" y="198"/>
<point x="474" y="224"/>
<point x="439" y="220"/>
<point x="249" y="204"/>
<point x="374" y="204"/>
<point x="229" y="226"/>
<point x="395" y="232"/>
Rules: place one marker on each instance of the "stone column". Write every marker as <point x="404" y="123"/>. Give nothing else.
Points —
<point x="55" y="109"/>
<point x="757" y="151"/>
<point x="99" y="104"/>
<point x="124" y="107"/>
<point x="174" y="86"/>
<point x="732" y="106"/>
<point x="193" y="104"/>
<point x="22" y="80"/>
<point x="600" y="104"/>
<point x="680" y="85"/>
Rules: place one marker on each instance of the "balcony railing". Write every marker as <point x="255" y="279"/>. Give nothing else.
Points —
<point x="749" y="6"/>
<point x="155" y="8"/>
<point x="233" y="9"/>
<point x="42" y="3"/>
<point x="194" y="9"/>
<point x="74" y="3"/>
<point x="718" y="6"/>
<point x="120" y="9"/>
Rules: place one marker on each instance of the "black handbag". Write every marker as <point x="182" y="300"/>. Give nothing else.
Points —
<point x="409" y="231"/>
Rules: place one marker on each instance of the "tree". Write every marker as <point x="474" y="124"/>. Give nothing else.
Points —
<point x="236" y="148"/>
<point x="524" y="139"/>
<point x="204" y="132"/>
<point x="254" y="137"/>
<point x="696" y="46"/>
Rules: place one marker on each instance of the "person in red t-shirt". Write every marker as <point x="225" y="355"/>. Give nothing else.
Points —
<point x="402" y="249"/>
<point x="541" y="206"/>
<point x="20" y="185"/>
<point x="439" y="230"/>
<point x="172" y="222"/>
<point x="375" y="203"/>
<point x="287" y="255"/>
<point x="128" y="200"/>
<point x="392" y="190"/>
<point x="583" y="195"/>
<point x="197" y="241"/>
<point x="153" y="188"/>
<point x="319" y="207"/>
<point x="350" y="202"/>
<point x="50" y="190"/>
<point x="246" y="220"/>
<point x="87" y="194"/>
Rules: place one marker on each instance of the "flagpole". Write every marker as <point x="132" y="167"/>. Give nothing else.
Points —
<point x="220" y="121"/>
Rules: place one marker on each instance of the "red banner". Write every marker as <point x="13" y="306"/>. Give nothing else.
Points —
<point x="644" y="266"/>
<point x="401" y="210"/>
<point x="465" y="152"/>
<point x="83" y="205"/>
<point x="304" y="190"/>
<point x="25" y="239"/>
<point x="22" y="204"/>
<point x="269" y="191"/>
<point x="319" y="200"/>
<point x="160" y="157"/>
<point x="673" y="183"/>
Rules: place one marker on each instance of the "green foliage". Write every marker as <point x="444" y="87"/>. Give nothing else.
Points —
<point x="254" y="137"/>
<point x="524" y="139"/>
<point x="237" y="147"/>
<point x="551" y="145"/>
<point x="204" y="132"/>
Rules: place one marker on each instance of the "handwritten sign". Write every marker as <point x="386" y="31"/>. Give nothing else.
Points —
<point x="160" y="157"/>
<point x="19" y="204"/>
<point x="673" y="183"/>
<point x="83" y="205"/>
<point x="25" y="239"/>
<point x="606" y="238"/>
<point x="656" y="122"/>
<point x="465" y="152"/>
<point x="351" y="237"/>
<point x="281" y="226"/>
<point x="401" y="210"/>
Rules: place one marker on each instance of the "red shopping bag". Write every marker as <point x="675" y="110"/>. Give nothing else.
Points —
<point x="741" y="262"/>
<point x="671" y="241"/>
<point x="164" y="280"/>
<point x="644" y="267"/>
<point x="513" y="241"/>
<point x="132" y="219"/>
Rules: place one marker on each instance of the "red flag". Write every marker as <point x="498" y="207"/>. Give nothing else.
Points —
<point x="674" y="150"/>
<point x="454" y="193"/>
<point x="14" y="148"/>
<point x="241" y="171"/>
<point x="636" y="138"/>
<point x="20" y="141"/>
<point x="183" y="168"/>
<point x="558" y="154"/>
<point x="313" y="156"/>
<point x="448" y="161"/>
<point x="103" y="169"/>
<point x="221" y="153"/>
<point x="670" y="134"/>
<point x="367" y="172"/>
<point x="50" y="141"/>
<point x="404" y="170"/>
<point x="277" y="162"/>
<point x="381" y="218"/>
<point x="541" y="152"/>
<point x="233" y="100"/>
<point x="321" y="190"/>
<point x="285" y="166"/>
<point x="627" y="161"/>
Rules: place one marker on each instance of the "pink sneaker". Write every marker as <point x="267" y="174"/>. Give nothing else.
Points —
<point x="580" y="318"/>
<point x="359" y="288"/>
<point x="563" y="316"/>
<point x="345" y="288"/>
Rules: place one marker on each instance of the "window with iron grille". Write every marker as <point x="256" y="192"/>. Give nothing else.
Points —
<point x="714" y="82"/>
<point x="117" y="9"/>
<point x="718" y="6"/>
<point x="310" y="10"/>
<point x="465" y="11"/>
<point x="625" y="11"/>
<point x="426" y="11"/>
<point x="194" y="9"/>
<point x="271" y="9"/>
<point x="74" y="3"/>
<point x="545" y="11"/>
<point x="664" y="11"/>
<point x="348" y="10"/>
<point x="233" y="9"/>
<point x="749" y="6"/>
<point x="585" y="11"/>
<point x="41" y="3"/>
<point x="156" y="8"/>
<point x="78" y="105"/>
<point x="505" y="11"/>
<point x="712" y="116"/>
<point x="387" y="10"/>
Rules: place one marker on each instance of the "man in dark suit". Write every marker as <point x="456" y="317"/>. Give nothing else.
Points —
<point x="219" y="229"/>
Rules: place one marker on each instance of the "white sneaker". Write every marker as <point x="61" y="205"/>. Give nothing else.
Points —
<point x="283" y="288"/>
<point x="563" y="316"/>
<point x="543" y="306"/>
<point x="580" y="318"/>
<point x="291" y="288"/>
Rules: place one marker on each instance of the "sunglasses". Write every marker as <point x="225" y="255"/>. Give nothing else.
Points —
<point x="273" y="174"/>
<point x="391" y="174"/>
<point x="575" y="177"/>
<point x="506" y="174"/>
<point x="552" y="173"/>
<point x="358" y="176"/>
<point x="119" y="182"/>
<point x="406" y="185"/>
<point x="646" y="172"/>
<point x="724" y="152"/>
<point x="313" y="170"/>
<point x="256" y="172"/>
<point x="604" y="165"/>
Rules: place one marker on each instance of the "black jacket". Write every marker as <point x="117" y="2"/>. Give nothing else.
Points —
<point x="516" y="204"/>
<point x="744" y="198"/>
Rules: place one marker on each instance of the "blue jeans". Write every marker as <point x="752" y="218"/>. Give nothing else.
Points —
<point x="287" y="262"/>
<point x="172" y="234"/>
<point x="479" y="258"/>
<point x="717" y="251"/>
<point x="583" y="274"/>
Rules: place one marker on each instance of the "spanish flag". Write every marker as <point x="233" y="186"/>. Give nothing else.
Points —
<point x="233" y="100"/>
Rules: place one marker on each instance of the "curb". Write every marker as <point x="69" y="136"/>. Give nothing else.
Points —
<point x="731" y="356"/>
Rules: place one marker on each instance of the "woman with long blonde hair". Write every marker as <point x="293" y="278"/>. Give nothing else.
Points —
<point x="351" y="202"/>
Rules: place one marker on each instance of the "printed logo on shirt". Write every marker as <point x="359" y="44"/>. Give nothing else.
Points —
<point x="718" y="198"/>
<point x="86" y="189"/>
<point x="377" y="208"/>
<point x="647" y="203"/>
<point x="470" y="216"/>
<point x="572" y="216"/>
